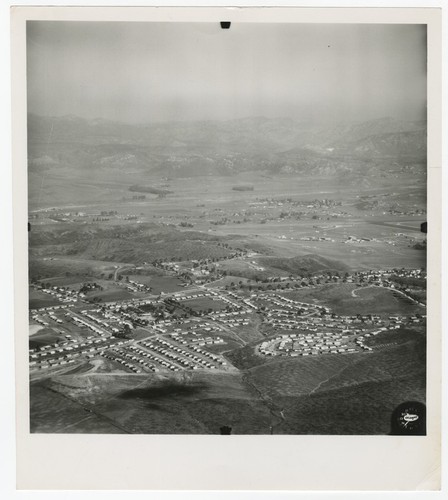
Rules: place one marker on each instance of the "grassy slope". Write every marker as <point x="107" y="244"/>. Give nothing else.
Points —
<point x="127" y="244"/>
<point x="350" y="394"/>
<point x="372" y="300"/>
<point x="193" y="404"/>
<point x="303" y="264"/>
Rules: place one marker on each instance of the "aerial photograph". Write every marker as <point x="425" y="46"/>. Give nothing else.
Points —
<point x="226" y="227"/>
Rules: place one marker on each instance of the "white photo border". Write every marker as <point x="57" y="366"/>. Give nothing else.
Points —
<point x="244" y="462"/>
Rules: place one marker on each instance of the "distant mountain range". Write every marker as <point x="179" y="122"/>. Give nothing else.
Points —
<point x="220" y="147"/>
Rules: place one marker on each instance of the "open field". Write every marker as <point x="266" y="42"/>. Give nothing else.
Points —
<point x="348" y="299"/>
<point x="166" y="284"/>
<point x="199" y="405"/>
<point x="39" y="299"/>
<point x="55" y="413"/>
<point x="73" y="269"/>
<point x="38" y="302"/>
<point x="205" y="304"/>
<point x="394" y="362"/>
<point x="293" y="377"/>
<point x="361" y="409"/>
<point x="73" y="281"/>
<point x="114" y="293"/>
<point x="238" y="269"/>
<point x="363" y="256"/>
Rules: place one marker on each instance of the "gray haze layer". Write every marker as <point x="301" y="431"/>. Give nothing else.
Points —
<point x="150" y="72"/>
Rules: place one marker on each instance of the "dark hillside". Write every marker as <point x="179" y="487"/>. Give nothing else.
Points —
<point x="308" y="264"/>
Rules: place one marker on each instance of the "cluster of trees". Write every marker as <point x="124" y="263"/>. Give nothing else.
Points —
<point x="200" y="263"/>
<point x="420" y="246"/>
<point x="172" y="305"/>
<point x="157" y="310"/>
<point x="45" y="285"/>
<point x="124" y="333"/>
<point x="408" y="281"/>
<point x="277" y="283"/>
<point x="226" y="220"/>
<point x="296" y="215"/>
<point x="87" y="287"/>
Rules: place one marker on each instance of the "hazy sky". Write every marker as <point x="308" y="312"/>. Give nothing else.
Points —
<point x="145" y="72"/>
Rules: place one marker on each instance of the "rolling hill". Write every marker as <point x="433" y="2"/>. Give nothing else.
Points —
<point x="303" y="265"/>
<point x="218" y="147"/>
